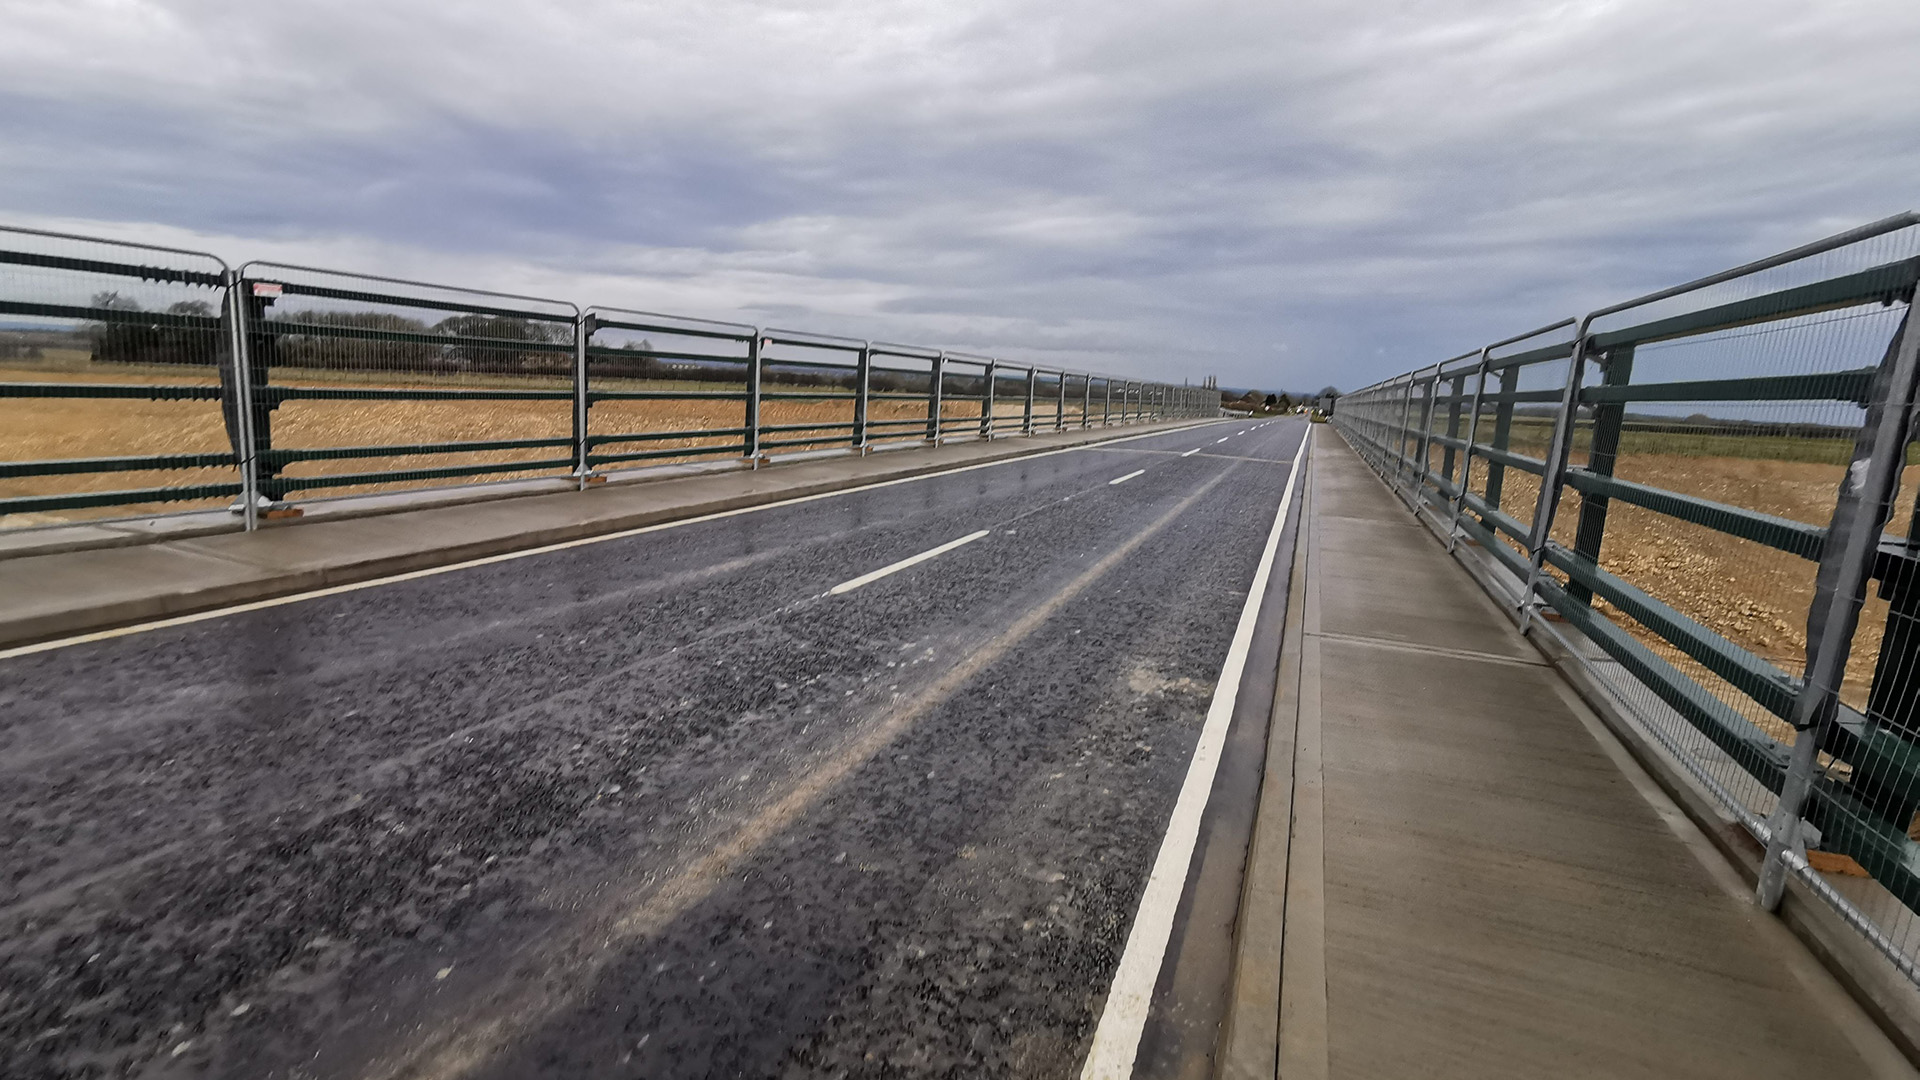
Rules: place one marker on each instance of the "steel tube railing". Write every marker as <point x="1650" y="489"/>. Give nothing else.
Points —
<point x="450" y="381"/>
<point x="1806" y="752"/>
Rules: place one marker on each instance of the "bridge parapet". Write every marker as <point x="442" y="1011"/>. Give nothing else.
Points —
<point x="143" y="382"/>
<point x="1707" y="493"/>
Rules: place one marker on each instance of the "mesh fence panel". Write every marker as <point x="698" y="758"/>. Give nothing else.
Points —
<point x="120" y="394"/>
<point x="367" y="384"/>
<point x="662" y="389"/>
<point x="1707" y="451"/>
<point x="111" y="361"/>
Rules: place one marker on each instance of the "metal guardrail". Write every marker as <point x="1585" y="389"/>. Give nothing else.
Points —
<point x="149" y="378"/>
<point x="1705" y="484"/>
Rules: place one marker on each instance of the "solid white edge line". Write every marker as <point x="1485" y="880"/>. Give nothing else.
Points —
<point x="505" y="556"/>
<point x="1124" y="479"/>
<point x="1117" y="1039"/>
<point x="912" y="560"/>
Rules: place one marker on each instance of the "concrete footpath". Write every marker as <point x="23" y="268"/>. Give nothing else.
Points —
<point x="61" y="594"/>
<point x="1457" y="871"/>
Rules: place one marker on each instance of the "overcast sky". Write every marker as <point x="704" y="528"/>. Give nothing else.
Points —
<point x="1280" y="194"/>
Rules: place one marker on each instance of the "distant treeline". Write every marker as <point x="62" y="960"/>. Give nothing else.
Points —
<point x="379" y="341"/>
<point x="1700" y="424"/>
<point x="31" y="344"/>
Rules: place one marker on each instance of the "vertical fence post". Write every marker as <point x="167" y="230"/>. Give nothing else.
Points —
<point x="1026" y="419"/>
<point x="1466" y="455"/>
<point x="1106" y="402"/>
<point x="986" y="399"/>
<point x="583" y="327"/>
<point x="1616" y="369"/>
<point x="1400" y="440"/>
<point x="1840" y="587"/>
<point x="1449" y="454"/>
<point x="753" y="399"/>
<point x="1502" y="435"/>
<point x="1060" y="403"/>
<point x="1559" y="450"/>
<point x="242" y="404"/>
<point x="862" y="380"/>
<point x="935" y="387"/>
<point x="1426" y="439"/>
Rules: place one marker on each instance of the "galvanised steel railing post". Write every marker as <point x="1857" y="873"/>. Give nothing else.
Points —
<point x="862" y="383"/>
<point x="1426" y="439"/>
<point x="1559" y="450"/>
<point x="934" y="394"/>
<point x="1026" y="419"/>
<point x="243" y="394"/>
<point x="1466" y="455"/>
<point x="1502" y="435"/>
<point x="1060" y="403"/>
<point x="1846" y="564"/>
<point x="1449" y="454"/>
<point x="1106" y="402"/>
<point x="1400" y="442"/>
<point x="752" y="424"/>
<point x="986" y="400"/>
<point x="583" y="327"/>
<point x="1616" y="369"/>
<point x="1086" y="401"/>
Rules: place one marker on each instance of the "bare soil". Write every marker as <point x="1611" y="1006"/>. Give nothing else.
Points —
<point x="37" y="429"/>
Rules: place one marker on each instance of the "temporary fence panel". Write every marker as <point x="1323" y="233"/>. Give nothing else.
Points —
<point x="362" y="383"/>
<point x="811" y="392"/>
<point x="963" y="396"/>
<point x="660" y="388"/>
<point x="115" y="362"/>
<point x="137" y="380"/>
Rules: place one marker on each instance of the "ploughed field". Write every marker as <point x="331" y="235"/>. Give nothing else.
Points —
<point x="38" y="429"/>
<point x="1753" y="595"/>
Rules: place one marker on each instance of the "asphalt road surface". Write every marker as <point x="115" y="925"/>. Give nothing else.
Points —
<point x="668" y="805"/>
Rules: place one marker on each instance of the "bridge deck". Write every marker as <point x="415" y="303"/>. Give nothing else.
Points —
<point x="1478" y="881"/>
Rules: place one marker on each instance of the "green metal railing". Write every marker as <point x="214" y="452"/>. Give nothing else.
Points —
<point x="273" y="382"/>
<point x="1698" y="412"/>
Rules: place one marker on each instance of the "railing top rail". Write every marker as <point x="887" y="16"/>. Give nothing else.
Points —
<point x="1517" y="338"/>
<point x="809" y="339"/>
<point x="892" y="348"/>
<point x="598" y="308"/>
<point x="116" y="243"/>
<point x="1885" y="225"/>
<point x="269" y="264"/>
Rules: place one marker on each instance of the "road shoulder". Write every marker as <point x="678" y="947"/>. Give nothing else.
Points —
<point x="65" y="594"/>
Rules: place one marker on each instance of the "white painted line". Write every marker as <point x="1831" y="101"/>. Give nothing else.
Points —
<point x="1129" y="476"/>
<point x="913" y="560"/>
<point x="1243" y="431"/>
<point x="1191" y="452"/>
<point x="505" y="556"/>
<point x="1221" y="439"/>
<point x="1117" y="1040"/>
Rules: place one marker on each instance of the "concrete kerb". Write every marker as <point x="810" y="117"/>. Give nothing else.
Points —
<point x="1249" y="1034"/>
<point x="1887" y="997"/>
<point x="65" y="594"/>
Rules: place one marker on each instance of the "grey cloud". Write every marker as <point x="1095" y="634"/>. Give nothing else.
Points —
<point x="1154" y="187"/>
